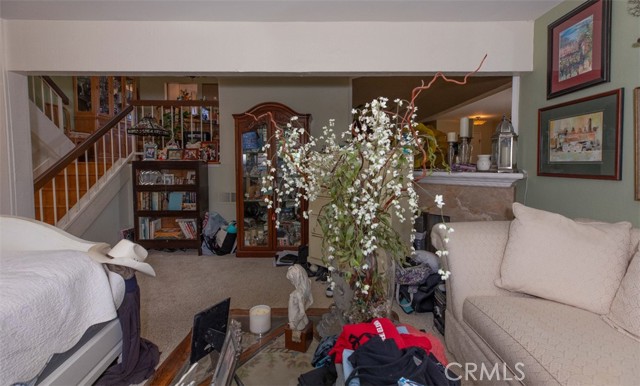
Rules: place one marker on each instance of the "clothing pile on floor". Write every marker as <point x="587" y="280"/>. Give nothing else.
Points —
<point x="379" y="353"/>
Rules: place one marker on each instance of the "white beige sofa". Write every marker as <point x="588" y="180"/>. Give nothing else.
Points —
<point x="543" y="300"/>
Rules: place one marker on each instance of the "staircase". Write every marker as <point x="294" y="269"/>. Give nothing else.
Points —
<point x="80" y="177"/>
<point x="68" y="187"/>
<point x="79" y="181"/>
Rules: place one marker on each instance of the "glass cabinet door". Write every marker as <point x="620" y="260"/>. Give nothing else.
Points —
<point x="289" y="233"/>
<point x="118" y="99"/>
<point x="83" y="93"/>
<point x="256" y="212"/>
<point x="103" y="95"/>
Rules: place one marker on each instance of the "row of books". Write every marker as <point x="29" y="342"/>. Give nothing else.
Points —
<point x="166" y="200"/>
<point x="151" y="228"/>
<point x="188" y="227"/>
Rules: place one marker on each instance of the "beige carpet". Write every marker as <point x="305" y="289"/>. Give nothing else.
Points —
<point x="187" y="283"/>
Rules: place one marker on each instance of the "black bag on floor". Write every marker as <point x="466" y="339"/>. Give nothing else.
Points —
<point x="423" y="298"/>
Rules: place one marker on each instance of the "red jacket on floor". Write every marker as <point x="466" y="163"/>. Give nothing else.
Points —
<point x="354" y="335"/>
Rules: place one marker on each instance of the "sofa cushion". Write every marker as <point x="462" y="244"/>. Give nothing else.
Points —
<point x="553" y="257"/>
<point x="625" y="308"/>
<point x="553" y="341"/>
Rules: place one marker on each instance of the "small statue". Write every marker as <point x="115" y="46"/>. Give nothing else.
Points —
<point x="300" y="299"/>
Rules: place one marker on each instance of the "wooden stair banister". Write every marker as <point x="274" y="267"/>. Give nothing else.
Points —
<point x="63" y="97"/>
<point x="78" y="151"/>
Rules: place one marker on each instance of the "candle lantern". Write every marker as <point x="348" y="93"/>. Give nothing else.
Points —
<point x="504" y="144"/>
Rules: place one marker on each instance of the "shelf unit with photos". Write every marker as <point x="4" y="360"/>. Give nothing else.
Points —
<point x="170" y="200"/>
<point x="257" y="233"/>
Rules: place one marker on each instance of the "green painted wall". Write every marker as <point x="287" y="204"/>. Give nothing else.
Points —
<point x="576" y="197"/>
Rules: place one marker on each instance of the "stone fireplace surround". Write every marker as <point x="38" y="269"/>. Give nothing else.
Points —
<point x="470" y="196"/>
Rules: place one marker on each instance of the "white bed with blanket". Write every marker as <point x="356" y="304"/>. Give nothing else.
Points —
<point x="51" y="293"/>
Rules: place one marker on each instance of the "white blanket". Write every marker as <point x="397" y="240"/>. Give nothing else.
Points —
<point x="47" y="301"/>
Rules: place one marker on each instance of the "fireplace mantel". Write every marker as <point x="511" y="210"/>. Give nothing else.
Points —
<point x="496" y="180"/>
<point x="470" y="196"/>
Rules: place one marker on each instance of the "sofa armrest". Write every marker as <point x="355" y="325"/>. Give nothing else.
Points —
<point x="475" y="251"/>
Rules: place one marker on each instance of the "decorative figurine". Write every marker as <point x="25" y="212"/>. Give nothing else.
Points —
<point x="300" y="299"/>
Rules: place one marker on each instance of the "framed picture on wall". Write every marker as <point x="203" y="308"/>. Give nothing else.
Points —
<point x="636" y="123"/>
<point x="579" y="48"/>
<point x="582" y="138"/>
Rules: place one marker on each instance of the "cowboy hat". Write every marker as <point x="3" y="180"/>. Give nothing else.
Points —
<point x="125" y="253"/>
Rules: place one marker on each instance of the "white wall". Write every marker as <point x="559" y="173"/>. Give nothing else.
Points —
<point x="173" y="47"/>
<point x="7" y="199"/>
<point x="18" y="190"/>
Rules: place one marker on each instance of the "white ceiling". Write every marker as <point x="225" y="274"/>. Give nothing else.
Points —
<point x="278" y="10"/>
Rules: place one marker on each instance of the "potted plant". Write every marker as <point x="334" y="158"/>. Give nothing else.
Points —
<point x="367" y="172"/>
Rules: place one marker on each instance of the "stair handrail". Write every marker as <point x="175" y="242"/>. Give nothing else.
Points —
<point x="63" y="97"/>
<point x="79" y="150"/>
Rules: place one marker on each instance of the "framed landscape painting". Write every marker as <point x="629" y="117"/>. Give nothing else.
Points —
<point x="579" y="48"/>
<point x="582" y="138"/>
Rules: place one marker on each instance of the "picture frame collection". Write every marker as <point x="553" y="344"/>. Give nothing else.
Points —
<point x="207" y="151"/>
<point x="582" y="138"/>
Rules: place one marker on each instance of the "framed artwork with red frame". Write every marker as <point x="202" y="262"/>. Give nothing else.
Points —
<point x="579" y="49"/>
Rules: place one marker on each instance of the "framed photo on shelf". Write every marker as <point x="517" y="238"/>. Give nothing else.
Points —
<point x="636" y="124"/>
<point x="191" y="154"/>
<point x="579" y="48"/>
<point x="209" y="151"/>
<point x="174" y="154"/>
<point x="168" y="179"/>
<point x="582" y="138"/>
<point x="150" y="151"/>
<point x="191" y="177"/>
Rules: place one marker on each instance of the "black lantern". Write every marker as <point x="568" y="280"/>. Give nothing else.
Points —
<point x="504" y="146"/>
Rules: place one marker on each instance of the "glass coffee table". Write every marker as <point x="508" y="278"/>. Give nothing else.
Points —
<point x="252" y="346"/>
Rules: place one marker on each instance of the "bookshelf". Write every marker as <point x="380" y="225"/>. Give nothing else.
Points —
<point x="170" y="199"/>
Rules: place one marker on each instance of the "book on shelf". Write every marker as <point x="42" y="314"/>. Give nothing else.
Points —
<point x="188" y="227"/>
<point x="154" y="225"/>
<point x="168" y="233"/>
<point x="152" y="201"/>
<point x="175" y="200"/>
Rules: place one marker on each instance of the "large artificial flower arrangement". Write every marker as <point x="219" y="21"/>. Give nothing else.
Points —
<point x="368" y="175"/>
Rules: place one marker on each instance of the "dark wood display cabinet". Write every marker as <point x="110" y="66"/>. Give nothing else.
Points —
<point x="99" y="98"/>
<point x="170" y="200"/>
<point x="257" y="233"/>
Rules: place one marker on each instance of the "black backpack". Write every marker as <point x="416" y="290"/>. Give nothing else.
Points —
<point x="227" y="244"/>
<point x="420" y="297"/>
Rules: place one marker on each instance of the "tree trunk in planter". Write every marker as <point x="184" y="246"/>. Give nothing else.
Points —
<point x="372" y="294"/>
<point x="357" y="303"/>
